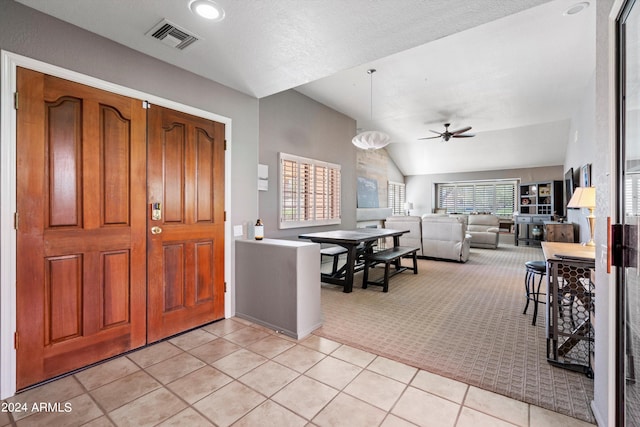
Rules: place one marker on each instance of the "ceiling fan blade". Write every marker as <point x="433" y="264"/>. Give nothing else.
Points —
<point x="434" y="131"/>
<point x="455" y="132"/>
<point x="468" y="135"/>
<point x="430" y="137"/>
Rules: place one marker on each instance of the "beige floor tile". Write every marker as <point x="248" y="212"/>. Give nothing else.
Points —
<point x="472" y="418"/>
<point x="175" y="367"/>
<point x="299" y="358"/>
<point x="239" y="363"/>
<point x="305" y="396"/>
<point x="440" y="386"/>
<point x="499" y="406"/>
<point x="376" y="389"/>
<point x="323" y="345"/>
<point x="99" y="422"/>
<point x="225" y="406"/>
<point x="243" y="321"/>
<point x="540" y="417"/>
<point x="334" y="372"/>
<point x="60" y="390"/>
<point x="154" y="354"/>
<point x="4" y="417"/>
<point x="392" y="369"/>
<point x="214" y="350"/>
<point x="124" y="390"/>
<point x="271" y="346"/>
<point x="246" y="336"/>
<point x="224" y="327"/>
<point x="198" y="384"/>
<point x="81" y="409"/>
<point x="189" y="418"/>
<point x="192" y="339"/>
<point x="269" y="378"/>
<point x="270" y="414"/>
<point x="148" y="410"/>
<point x="107" y="372"/>
<point x="425" y="409"/>
<point x="348" y="411"/>
<point x="394" y="421"/>
<point x="353" y="355"/>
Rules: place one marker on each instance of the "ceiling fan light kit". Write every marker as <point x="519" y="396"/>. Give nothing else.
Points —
<point x="372" y="139"/>
<point x="447" y="135"/>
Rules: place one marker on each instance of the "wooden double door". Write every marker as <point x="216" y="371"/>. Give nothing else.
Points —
<point x="120" y="225"/>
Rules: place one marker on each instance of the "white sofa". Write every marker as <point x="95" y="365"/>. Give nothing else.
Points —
<point x="436" y="236"/>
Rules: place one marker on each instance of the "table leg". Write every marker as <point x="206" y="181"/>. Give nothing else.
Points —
<point x="352" y="257"/>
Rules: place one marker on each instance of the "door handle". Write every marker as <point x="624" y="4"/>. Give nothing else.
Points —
<point x="156" y="230"/>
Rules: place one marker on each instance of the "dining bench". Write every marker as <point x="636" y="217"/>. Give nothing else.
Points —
<point x="389" y="256"/>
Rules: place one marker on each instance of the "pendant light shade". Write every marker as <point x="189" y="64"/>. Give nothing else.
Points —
<point x="373" y="139"/>
<point x="370" y="140"/>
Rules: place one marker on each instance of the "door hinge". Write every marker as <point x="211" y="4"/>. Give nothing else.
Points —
<point x="225" y="286"/>
<point x="225" y="216"/>
<point x="15" y="100"/>
<point x="146" y="105"/>
<point x="15" y="220"/>
<point x="225" y="145"/>
<point x="16" y="341"/>
<point x="621" y="244"/>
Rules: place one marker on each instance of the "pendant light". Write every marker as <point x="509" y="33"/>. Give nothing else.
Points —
<point x="373" y="139"/>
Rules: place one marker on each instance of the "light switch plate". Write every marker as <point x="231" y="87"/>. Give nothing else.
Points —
<point x="237" y="230"/>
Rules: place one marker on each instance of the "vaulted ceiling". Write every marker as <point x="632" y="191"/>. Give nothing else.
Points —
<point x="516" y="71"/>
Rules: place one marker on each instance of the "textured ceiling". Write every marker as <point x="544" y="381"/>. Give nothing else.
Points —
<point x="514" y="70"/>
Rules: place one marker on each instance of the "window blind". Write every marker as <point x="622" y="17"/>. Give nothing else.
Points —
<point x="496" y="197"/>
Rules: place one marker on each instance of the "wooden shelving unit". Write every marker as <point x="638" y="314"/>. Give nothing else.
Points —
<point x="537" y="202"/>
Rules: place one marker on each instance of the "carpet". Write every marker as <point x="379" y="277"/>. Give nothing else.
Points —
<point x="461" y="321"/>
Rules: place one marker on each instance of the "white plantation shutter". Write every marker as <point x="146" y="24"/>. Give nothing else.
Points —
<point x="309" y="192"/>
<point x="497" y="197"/>
<point x="396" y="196"/>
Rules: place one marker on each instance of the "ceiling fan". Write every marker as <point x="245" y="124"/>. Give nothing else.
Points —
<point x="446" y="135"/>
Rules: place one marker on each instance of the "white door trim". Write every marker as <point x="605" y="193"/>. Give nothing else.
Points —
<point x="8" y="64"/>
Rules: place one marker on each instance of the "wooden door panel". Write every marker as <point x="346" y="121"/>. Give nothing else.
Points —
<point x="81" y="240"/>
<point x="186" y="259"/>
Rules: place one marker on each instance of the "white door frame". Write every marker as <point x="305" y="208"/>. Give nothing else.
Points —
<point x="9" y="63"/>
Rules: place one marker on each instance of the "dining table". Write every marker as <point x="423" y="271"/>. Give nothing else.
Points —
<point x="357" y="242"/>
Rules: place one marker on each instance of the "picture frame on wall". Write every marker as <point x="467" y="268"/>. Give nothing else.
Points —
<point x="585" y="176"/>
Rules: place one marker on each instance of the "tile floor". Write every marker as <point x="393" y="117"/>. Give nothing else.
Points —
<point x="237" y="373"/>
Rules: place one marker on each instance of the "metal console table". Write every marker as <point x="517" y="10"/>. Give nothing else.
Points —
<point x="570" y="302"/>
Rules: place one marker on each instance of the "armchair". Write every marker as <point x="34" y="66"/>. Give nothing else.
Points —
<point x="484" y="231"/>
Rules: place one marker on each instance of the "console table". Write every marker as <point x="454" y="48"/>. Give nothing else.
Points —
<point x="570" y="303"/>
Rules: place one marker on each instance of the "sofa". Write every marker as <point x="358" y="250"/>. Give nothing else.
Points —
<point x="484" y="230"/>
<point x="436" y="236"/>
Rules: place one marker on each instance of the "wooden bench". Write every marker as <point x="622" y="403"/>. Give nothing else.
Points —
<point x="388" y="256"/>
<point x="334" y="252"/>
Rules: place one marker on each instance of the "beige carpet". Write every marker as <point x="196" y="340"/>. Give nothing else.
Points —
<point x="462" y="321"/>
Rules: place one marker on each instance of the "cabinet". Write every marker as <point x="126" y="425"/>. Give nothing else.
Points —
<point x="559" y="231"/>
<point x="537" y="202"/>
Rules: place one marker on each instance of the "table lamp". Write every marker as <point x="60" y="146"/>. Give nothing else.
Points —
<point x="407" y="207"/>
<point x="585" y="197"/>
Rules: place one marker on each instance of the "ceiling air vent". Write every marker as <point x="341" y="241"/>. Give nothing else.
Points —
<point x="172" y="35"/>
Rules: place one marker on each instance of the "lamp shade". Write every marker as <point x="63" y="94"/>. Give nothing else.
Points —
<point x="371" y="140"/>
<point x="583" y="197"/>
<point x="408" y="205"/>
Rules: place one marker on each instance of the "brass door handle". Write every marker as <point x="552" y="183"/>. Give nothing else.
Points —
<point x="156" y="230"/>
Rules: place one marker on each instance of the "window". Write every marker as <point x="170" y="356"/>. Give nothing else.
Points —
<point x="396" y="197"/>
<point x="309" y="192"/>
<point x="497" y="197"/>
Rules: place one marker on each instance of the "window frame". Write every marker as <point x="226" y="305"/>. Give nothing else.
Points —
<point x="303" y="207"/>
<point x="473" y="186"/>
<point x="396" y="197"/>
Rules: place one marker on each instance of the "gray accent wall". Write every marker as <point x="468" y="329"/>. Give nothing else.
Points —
<point x="295" y="124"/>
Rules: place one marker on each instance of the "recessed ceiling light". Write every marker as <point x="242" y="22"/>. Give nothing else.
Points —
<point x="207" y="9"/>
<point x="576" y="8"/>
